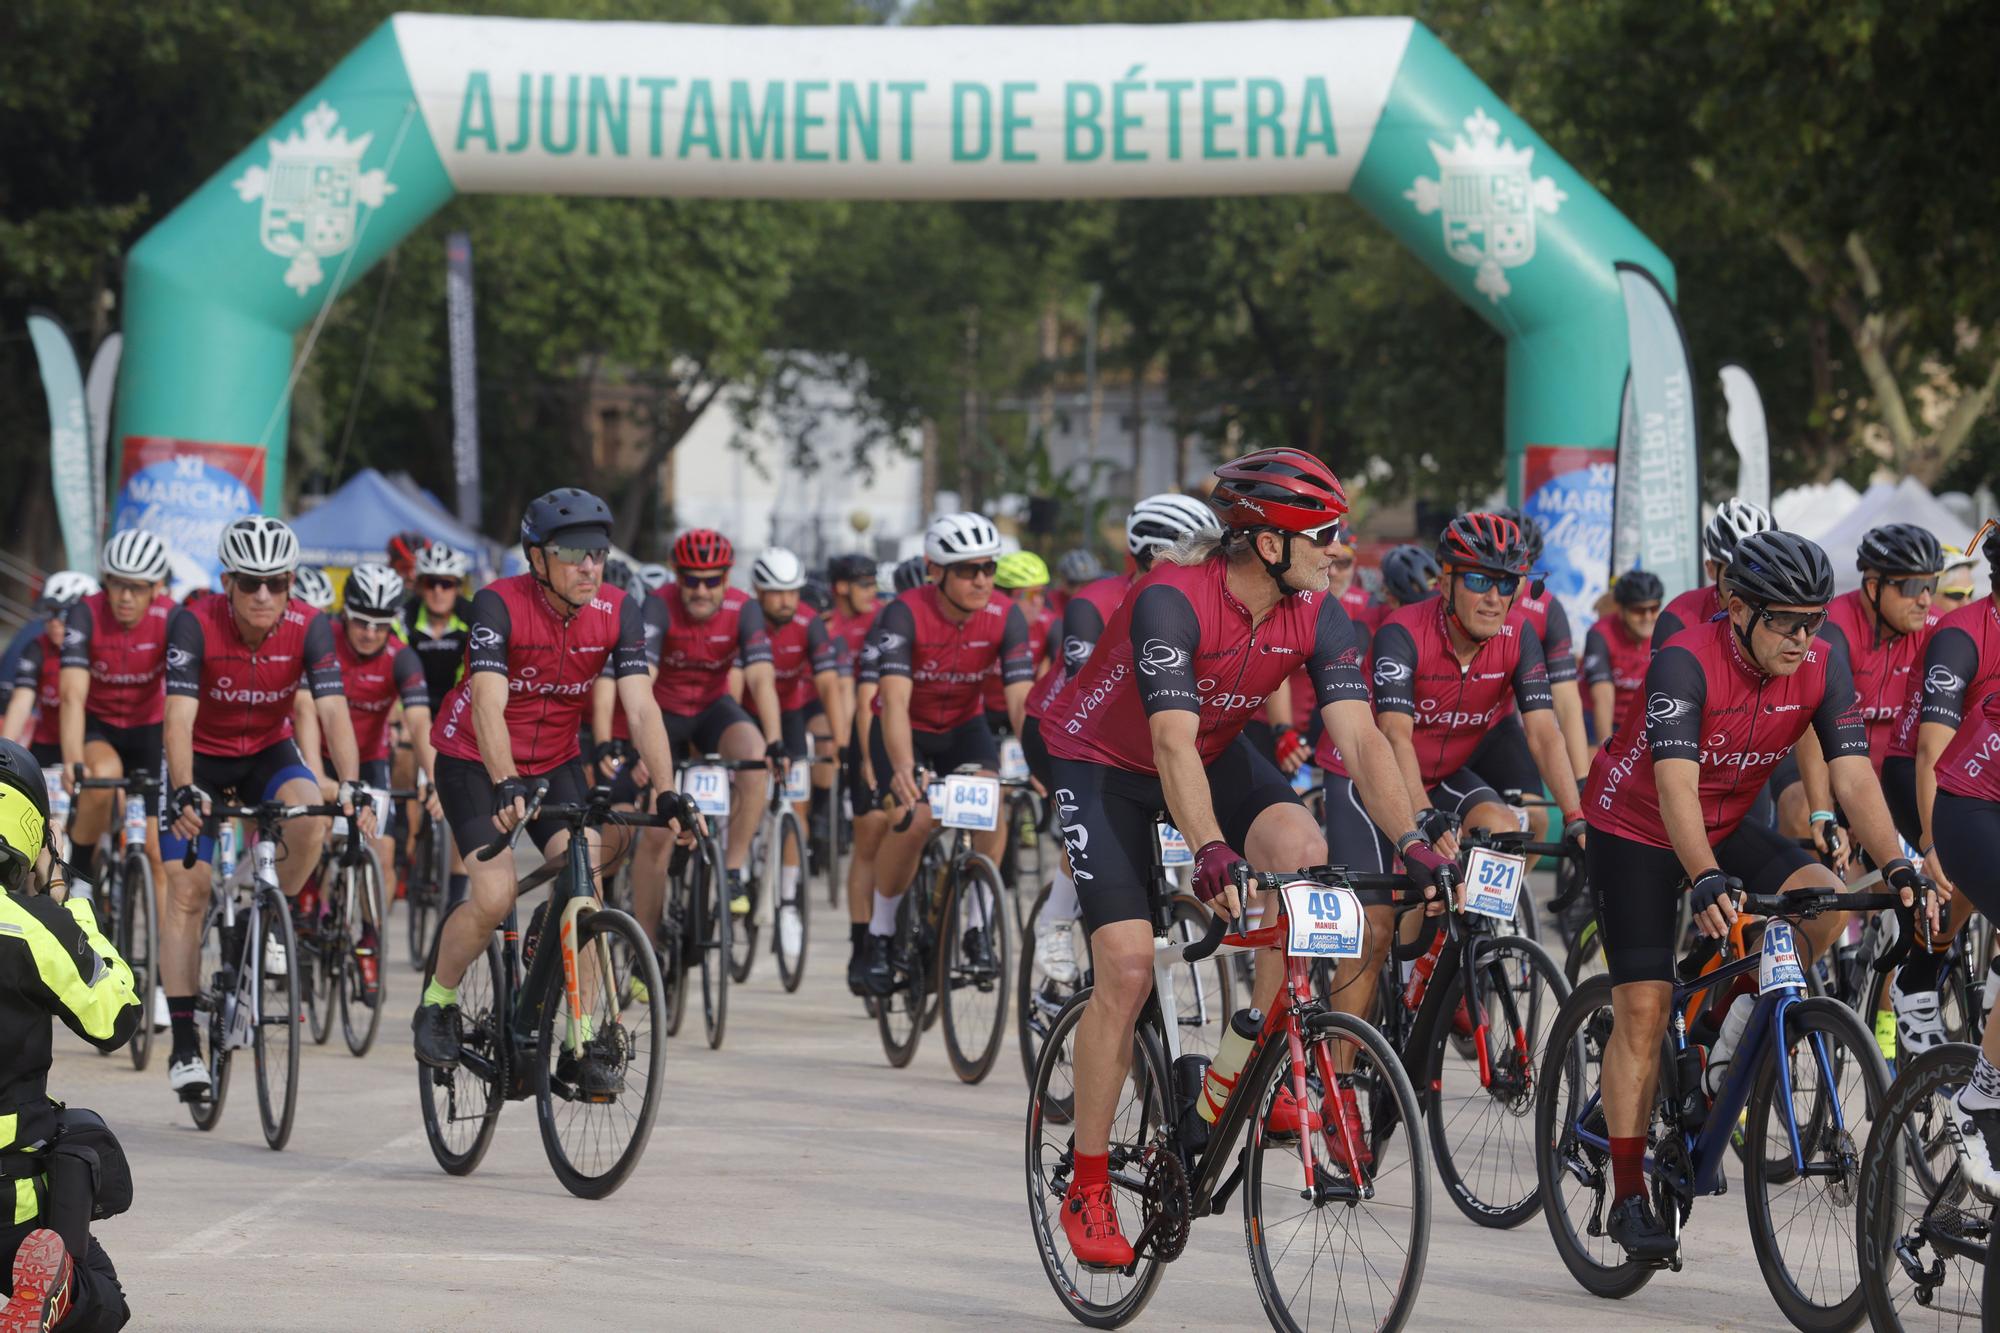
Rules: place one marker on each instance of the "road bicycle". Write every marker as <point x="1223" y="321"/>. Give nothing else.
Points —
<point x="1332" y="1238"/>
<point x="554" y="1022"/>
<point x="428" y="882"/>
<point x="127" y="910"/>
<point x="777" y="901"/>
<point x="335" y="951"/>
<point x="1805" y="1071"/>
<point x="697" y="931"/>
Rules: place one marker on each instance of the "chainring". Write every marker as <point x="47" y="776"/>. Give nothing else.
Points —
<point x="1169" y="1207"/>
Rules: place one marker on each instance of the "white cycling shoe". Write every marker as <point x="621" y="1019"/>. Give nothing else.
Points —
<point x="1919" y="1025"/>
<point x="1055" y="950"/>
<point x="188" y="1077"/>
<point x="1976" y="1133"/>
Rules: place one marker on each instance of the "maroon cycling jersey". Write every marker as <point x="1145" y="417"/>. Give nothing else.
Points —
<point x="696" y="655"/>
<point x="1182" y="641"/>
<point x="653" y="624"/>
<point x="1550" y="622"/>
<point x="1961" y="669"/>
<point x="245" y="692"/>
<point x="801" y="648"/>
<point x="1362" y="609"/>
<point x="1694" y="607"/>
<point x="1882" y="667"/>
<point x="549" y="663"/>
<point x="1084" y="615"/>
<point x="1043" y="642"/>
<point x="1452" y="705"/>
<point x="374" y="684"/>
<point x="1970" y="765"/>
<point x="947" y="660"/>
<point x="40" y="670"/>
<point x="128" y="667"/>
<point x="1707" y="702"/>
<point x="1612" y="656"/>
<point x="853" y="632"/>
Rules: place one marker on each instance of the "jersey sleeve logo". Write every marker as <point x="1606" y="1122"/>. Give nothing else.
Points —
<point x="485" y="636"/>
<point x="1389" y="671"/>
<point x="1159" y="656"/>
<point x="1662" y="707"/>
<point x="1942" y="679"/>
<point x="178" y="657"/>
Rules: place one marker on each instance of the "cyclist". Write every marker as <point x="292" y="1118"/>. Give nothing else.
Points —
<point x="539" y="641"/>
<point x="1618" y="647"/>
<point x="653" y="577"/>
<point x="234" y="661"/>
<point x="1667" y="800"/>
<point x="1504" y="756"/>
<point x="311" y="586"/>
<point x="1155" y="525"/>
<point x="437" y="621"/>
<point x="707" y="632"/>
<point x="1076" y="568"/>
<point x="1153" y="722"/>
<point x="54" y="963"/>
<point x="1955" y="583"/>
<point x="935" y="645"/>
<point x="1733" y="520"/>
<point x="1290" y="727"/>
<point x="404" y="550"/>
<point x="1024" y="577"/>
<point x="34" y="710"/>
<point x="1410" y="574"/>
<point x="114" y="684"/>
<point x="1361" y="608"/>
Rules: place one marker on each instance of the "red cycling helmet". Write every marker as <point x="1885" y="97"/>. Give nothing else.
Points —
<point x="1484" y="541"/>
<point x="404" y="548"/>
<point x="703" y="548"/>
<point x="1286" y="489"/>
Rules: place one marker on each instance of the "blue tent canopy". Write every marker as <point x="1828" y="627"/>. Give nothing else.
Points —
<point x="355" y="523"/>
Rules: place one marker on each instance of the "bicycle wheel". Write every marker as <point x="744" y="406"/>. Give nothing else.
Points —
<point x="318" y="957"/>
<point x="595" y="1131"/>
<point x="742" y="951"/>
<point x="1203" y="992"/>
<point x="836" y="834"/>
<point x="426" y="889"/>
<point x="276" y="1039"/>
<point x="1482" y="1110"/>
<point x="1838" y="1083"/>
<point x="899" y="1015"/>
<point x="1349" y="1249"/>
<point x="677" y="942"/>
<point x="793" y="915"/>
<point x="360" y="1018"/>
<point x="1573" y="1172"/>
<point x="220" y="957"/>
<point x="1099" y="1298"/>
<point x="1023" y="865"/>
<point x="139" y="944"/>
<point x="462" y="1105"/>
<point x="973" y="968"/>
<point x="1039" y="997"/>
<point x="1922" y="1236"/>
<point x="712" y="927"/>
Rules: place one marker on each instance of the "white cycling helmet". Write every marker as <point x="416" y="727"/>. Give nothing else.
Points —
<point x="653" y="577"/>
<point x="137" y="555"/>
<point x="778" y="570"/>
<point x="256" y="544"/>
<point x="1158" y="521"/>
<point x="1734" y="520"/>
<point x="436" y="561"/>
<point x="952" y="538"/>
<point x="311" y="586"/>
<point x="65" y="587"/>
<point x="373" y="590"/>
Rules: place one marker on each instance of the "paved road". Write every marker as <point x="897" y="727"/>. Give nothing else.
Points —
<point x="794" y="1180"/>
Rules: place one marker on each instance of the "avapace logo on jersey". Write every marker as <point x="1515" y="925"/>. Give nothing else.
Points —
<point x="1975" y="763"/>
<point x="225" y="691"/>
<point x="528" y="681"/>
<point x="1431" y="717"/>
<point x="101" y="672"/>
<point x="1090" y="700"/>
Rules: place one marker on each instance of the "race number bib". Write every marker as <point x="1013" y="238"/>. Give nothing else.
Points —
<point x="969" y="802"/>
<point x="798" y="783"/>
<point x="1013" y="760"/>
<point x="708" y="786"/>
<point x="1493" y="883"/>
<point x="1174" y="850"/>
<point x="1778" y="966"/>
<point x="1325" y="923"/>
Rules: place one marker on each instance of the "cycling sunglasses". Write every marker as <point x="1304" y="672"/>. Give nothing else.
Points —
<point x="130" y="587"/>
<point x="1788" y="624"/>
<point x="973" y="569"/>
<point x="371" y="622"/>
<point x="703" y="580"/>
<point x="577" y="555"/>
<point x="1644" y="609"/>
<point x="276" y="584"/>
<point x="1341" y="562"/>
<point x="435" y="581"/>
<point x="1915" y="586"/>
<point x="1482" y="581"/>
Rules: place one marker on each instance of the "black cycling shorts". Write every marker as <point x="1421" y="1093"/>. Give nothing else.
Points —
<point x="792" y="727"/>
<point x="1504" y="760"/>
<point x="1637" y="890"/>
<point x="1037" y="753"/>
<point x="1966" y="828"/>
<point x="999" y="723"/>
<point x="244" y="779"/>
<point x="375" y="773"/>
<point x="47" y="753"/>
<point x="1457" y="793"/>
<point x="696" y="734"/>
<point x="465" y="790"/>
<point x="138" y="747"/>
<point x="940" y="751"/>
<point x="1899" y="789"/>
<point x="1352" y="838"/>
<point x="1107" y="816"/>
<point x="860" y="798"/>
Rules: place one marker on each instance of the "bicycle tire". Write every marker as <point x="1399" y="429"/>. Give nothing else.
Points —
<point x="1501" y="1139"/>
<point x="836" y="831"/>
<point x="206" y="1112"/>
<point x="640" y="1043"/>
<point x="791" y="903"/>
<point x="677" y="939"/>
<point x="1823" y="1022"/>
<point x="424" y="892"/>
<point x="1022" y="864"/>
<point x="139" y="945"/>
<point x="482" y="1037"/>
<point x="712" y="926"/>
<point x="974" y="986"/>
<point x="1569" y="1077"/>
<point x="1204" y="992"/>
<point x="742" y="950"/>
<point x="277" y="1107"/>
<point x="1038" y="998"/>
<point x="364" y="887"/>
<point x="319" y="957"/>
<point x="1585" y="958"/>
<point x="899" y="1014"/>
<point x="1143" y="1115"/>
<point x="1271" y="1073"/>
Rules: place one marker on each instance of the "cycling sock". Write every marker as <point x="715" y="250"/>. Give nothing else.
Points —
<point x="1091" y="1169"/>
<point x="883" y="922"/>
<point x="1062" y="904"/>
<point x="180" y="1012"/>
<point x="1628" y="1167"/>
<point x="440" y="995"/>
<point x="788" y="879"/>
<point x="1984" y="1089"/>
<point x="454" y="890"/>
<point x="1919" y="973"/>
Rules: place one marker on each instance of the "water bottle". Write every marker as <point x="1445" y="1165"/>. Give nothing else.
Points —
<point x="225" y="850"/>
<point x="1693" y="1102"/>
<point x="1190" y="1076"/>
<point x="1230" y="1056"/>
<point x="1726" y="1042"/>
<point x="135" y="821"/>
<point x="1420" y="974"/>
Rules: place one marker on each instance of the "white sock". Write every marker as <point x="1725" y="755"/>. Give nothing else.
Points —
<point x="1984" y="1089"/>
<point x="884" y="921"/>
<point x="788" y="879"/>
<point x="1062" y="904"/>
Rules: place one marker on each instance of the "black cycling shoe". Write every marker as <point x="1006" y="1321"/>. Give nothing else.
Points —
<point x="594" y="1075"/>
<point x="978" y="953"/>
<point x="878" y="978"/>
<point x="436" y="1029"/>
<point x="857" y="971"/>
<point x="1634" y="1227"/>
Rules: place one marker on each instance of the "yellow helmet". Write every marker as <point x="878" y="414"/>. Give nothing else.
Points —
<point x="1021" y="569"/>
<point x="1956" y="577"/>
<point x="24" y="813"/>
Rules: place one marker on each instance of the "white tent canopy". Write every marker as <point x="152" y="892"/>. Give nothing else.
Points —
<point x="1906" y="501"/>
<point x="1812" y="509"/>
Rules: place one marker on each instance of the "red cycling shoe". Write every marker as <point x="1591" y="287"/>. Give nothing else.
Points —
<point x="1349" y="1114"/>
<point x="41" y="1285"/>
<point x="1284" y="1116"/>
<point x="1090" y="1223"/>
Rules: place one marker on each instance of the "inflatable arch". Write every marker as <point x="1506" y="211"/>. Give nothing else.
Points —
<point x="430" y="105"/>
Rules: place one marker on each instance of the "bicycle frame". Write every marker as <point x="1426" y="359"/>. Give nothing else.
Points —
<point x="570" y="896"/>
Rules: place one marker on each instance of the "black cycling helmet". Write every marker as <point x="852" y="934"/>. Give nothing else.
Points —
<point x="24" y="814"/>
<point x="1531" y="532"/>
<point x="1899" y="548"/>
<point x="1410" y="573"/>
<point x="1484" y="541"/>
<point x="1780" y="569"/>
<point x="817" y="593"/>
<point x="850" y="568"/>
<point x="1638" y="586"/>
<point x="618" y="574"/>
<point x="565" y="511"/>
<point x="912" y="573"/>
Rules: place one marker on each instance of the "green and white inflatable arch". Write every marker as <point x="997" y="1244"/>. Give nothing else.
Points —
<point x="430" y="105"/>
